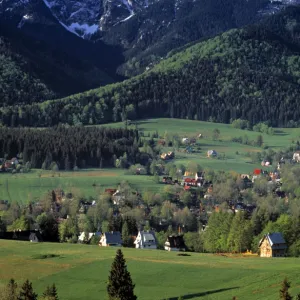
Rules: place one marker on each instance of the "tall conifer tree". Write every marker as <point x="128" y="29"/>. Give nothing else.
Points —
<point x="27" y="292"/>
<point x="120" y="286"/>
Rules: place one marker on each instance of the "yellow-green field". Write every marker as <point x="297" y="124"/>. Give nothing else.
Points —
<point x="80" y="272"/>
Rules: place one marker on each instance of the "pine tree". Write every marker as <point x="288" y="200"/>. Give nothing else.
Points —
<point x="120" y="286"/>
<point x="11" y="291"/>
<point x="50" y="293"/>
<point x="284" y="292"/>
<point x="27" y="292"/>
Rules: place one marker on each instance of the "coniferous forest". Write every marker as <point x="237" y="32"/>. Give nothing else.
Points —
<point x="252" y="73"/>
<point x="66" y="148"/>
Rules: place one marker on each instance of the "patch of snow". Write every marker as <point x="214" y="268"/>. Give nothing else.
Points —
<point x="129" y="7"/>
<point x="49" y="4"/>
<point x="23" y="20"/>
<point x="126" y="19"/>
<point x="86" y="29"/>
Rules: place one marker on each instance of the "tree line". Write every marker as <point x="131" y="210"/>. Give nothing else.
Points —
<point x="67" y="148"/>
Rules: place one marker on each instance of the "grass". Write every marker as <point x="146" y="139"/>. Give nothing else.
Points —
<point x="81" y="272"/>
<point x="27" y="187"/>
<point x="235" y="153"/>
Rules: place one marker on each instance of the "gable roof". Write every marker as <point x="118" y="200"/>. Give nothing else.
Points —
<point x="113" y="237"/>
<point x="275" y="239"/>
<point x="176" y="241"/>
<point x="147" y="237"/>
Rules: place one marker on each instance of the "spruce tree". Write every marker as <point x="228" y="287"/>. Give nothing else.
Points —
<point x="50" y="293"/>
<point x="10" y="292"/>
<point x="120" y="286"/>
<point x="27" y="292"/>
<point x="284" y="291"/>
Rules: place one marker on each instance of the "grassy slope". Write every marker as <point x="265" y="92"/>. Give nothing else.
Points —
<point x="25" y="187"/>
<point x="81" y="272"/>
<point x="236" y="162"/>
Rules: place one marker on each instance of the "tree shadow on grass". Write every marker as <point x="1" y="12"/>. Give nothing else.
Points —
<point x="192" y="296"/>
<point x="280" y="132"/>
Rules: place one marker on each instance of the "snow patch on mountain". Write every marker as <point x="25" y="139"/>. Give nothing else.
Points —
<point x="83" y="30"/>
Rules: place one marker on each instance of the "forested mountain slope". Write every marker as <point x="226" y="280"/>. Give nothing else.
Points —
<point x="252" y="73"/>
<point x="62" y="61"/>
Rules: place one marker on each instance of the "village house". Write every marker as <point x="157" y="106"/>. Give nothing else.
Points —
<point x="175" y="243"/>
<point x="33" y="236"/>
<point x="212" y="153"/>
<point x="199" y="175"/>
<point x="109" y="239"/>
<point x="272" y="245"/>
<point x="167" y="180"/>
<point x="118" y="198"/>
<point x="185" y="141"/>
<point x="146" y="240"/>
<point x="296" y="156"/>
<point x="85" y="237"/>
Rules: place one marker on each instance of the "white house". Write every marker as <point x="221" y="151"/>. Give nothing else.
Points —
<point x="85" y="237"/>
<point x="212" y="153"/>
<point x="145" y="240"/>
<point x="296" y="156"/>
<point x="111" y="239"/>
<point x="118" y="198"/>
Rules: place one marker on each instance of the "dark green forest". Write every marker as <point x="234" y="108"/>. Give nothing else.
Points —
<point x="67" y="148"/>
<point x="35" y="68"/>
<point x="251" y="73"/>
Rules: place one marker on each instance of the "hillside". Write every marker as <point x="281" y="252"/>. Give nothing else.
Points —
<point x="198" y="276"/>
<point x="250" y="73"/>
<point x="42" y="53"/>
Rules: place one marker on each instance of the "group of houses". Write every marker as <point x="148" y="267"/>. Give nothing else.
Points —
<point x="144" y="240"/>
<point x="271" y="245"/>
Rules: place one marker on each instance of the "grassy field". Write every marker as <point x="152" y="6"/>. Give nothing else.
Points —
<point x="234" y="153"/>
<point x="31" y="186"/>
<point x="81" y="271"/>
<point x="25" y="187"/>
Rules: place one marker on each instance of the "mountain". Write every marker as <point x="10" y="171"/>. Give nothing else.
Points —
<point x="250" y="73"/>
<point x="62" y="61"/>
<point x="144" y="31"/>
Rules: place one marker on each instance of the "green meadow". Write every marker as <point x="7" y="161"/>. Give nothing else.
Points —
<point x="30" y="186"/>
<point x="233" y="155"/>
<point x="81" y="272"/>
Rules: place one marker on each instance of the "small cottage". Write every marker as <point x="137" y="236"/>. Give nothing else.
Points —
<point x="85" y="237"/>
<point x="109" y="239"/>
<point x="212" y="153"/>
<point x="272" y="245"/>
<point x="175" y="243"/>
<point x="33" y="236"/>
<point x="145" y="240"/>
<point x="118" y="198"/>
<point x="296" y="156"/>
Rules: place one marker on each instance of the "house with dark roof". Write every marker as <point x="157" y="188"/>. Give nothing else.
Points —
<point x="175" y="243"/>
<point x="146" y="240"/>
<point x="272" y="245"/>
<point x="111" y="239"/>
<point x="33" y="236"/>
